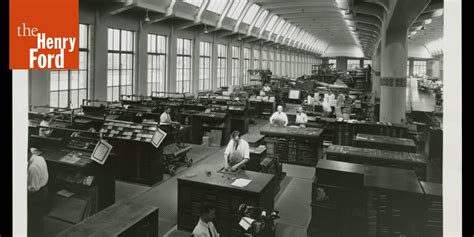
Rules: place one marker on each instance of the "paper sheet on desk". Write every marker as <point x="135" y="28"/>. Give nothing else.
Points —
<point x="246" y="222"/>
<point x="70" y="159"/>
<point x="241" y="182"/>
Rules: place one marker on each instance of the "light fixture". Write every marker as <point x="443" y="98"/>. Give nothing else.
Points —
<point x="147" y="17"/>
<point x="428" y="21"/>
<point x="240" y="38"/>
<point x="205" y="29"/>
<point x="438" y="12"/>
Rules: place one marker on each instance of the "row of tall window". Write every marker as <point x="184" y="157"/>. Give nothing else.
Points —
<point x="71" y="87"/>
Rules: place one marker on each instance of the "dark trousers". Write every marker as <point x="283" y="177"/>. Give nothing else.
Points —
<point x="37" y="207"/>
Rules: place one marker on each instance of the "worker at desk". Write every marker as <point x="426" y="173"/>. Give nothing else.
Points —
<point x="279" y="117"/>
<point x="301" y="117"/>
<point x="165" y="118"/>
<point x="37" y="191"/>
<point x="205" y="227"/>
<point x="237" y="152"/>
<point x="265" y="89"/>
<point x="46" y="132"/>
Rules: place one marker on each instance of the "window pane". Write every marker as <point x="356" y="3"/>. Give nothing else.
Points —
<point x="74" y="81"/>
<point x="63" y="99"/>
<point x="251" y="14"/>
<point x="260" y="20"/>
<point x="271" y="23"/>
<point x="53" y="99"/>
<point x="116" y="40"/>
<point x="236" y="9"/>
<point x="54" y="82"/>
<point x="217" y="6"/>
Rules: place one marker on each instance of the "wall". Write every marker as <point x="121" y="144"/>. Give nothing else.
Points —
<point x="416" y="50"/>
<point x="340" y="50"/>
<point x="131" y="20"/>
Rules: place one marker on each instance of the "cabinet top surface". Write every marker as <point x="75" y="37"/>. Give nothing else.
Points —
<point x="259" y="180"/>
<point x="111" y="221"/>
<point x="376" y="176"/>
<point x="376" y="154"/>
<point x="253" y="138"/>
<point x="293" y="131"/>
<point x="385" y="139"/>
<point x="434" y="189"/>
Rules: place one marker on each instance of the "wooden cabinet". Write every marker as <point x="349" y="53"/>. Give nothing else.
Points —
<point x="217" y="190"/>
<point x="125" y="219"/>
<point x="302" y="146"/>
<point x="385" y="143"/>
<point x="402" y="160"/>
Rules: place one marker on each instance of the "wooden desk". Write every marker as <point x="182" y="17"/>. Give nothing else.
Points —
<point x="204" y="122"/>
<point x="346" y="131"/>
<point x="385" y="143"/>
<point x="216" y="189"/>
<point x="301" y="146"/>
<point x="122" y="219"/>
<point x="433" y="206"/>
<point x="257" y="154"/>
<point x="386" y="200"/>
<point x="138" y="160"/>
<point x="66" y="175"/>
<point x="402" y="160"/>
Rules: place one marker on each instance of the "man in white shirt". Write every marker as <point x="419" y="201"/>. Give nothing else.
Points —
<point x="165" y="118"/>
<point x="205" y="227"/>
<point x="237" y="152"/>
<point x="279" y="117"/>
<point x="46" y="132"/>
<point x="37" y="192"/>
<point x="301" y="117"/>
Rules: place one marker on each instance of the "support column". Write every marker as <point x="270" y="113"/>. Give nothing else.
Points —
<point x="142" y="60"/>
<point x="173" y="44"/>
<point x="376" y="67"/>
<point x="393" y="79"/>
<point x="195" y="62"/>
<point x="99" y="57"/>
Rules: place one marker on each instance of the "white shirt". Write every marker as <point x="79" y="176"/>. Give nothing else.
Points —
<point x="301" y="118"/>
<point x="243" y="149"/>
<point x="279" y="116"/>
<point x="202" y="229"/>
<point x="165" y="119"/>
<point x="45" y="132"/>
<point x="37" y="173"/>
<point x="267" y="89"/>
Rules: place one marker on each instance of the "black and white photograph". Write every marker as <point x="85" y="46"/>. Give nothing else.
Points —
<point x="247" y="118"/>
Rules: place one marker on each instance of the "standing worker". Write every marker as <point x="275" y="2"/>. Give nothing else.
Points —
<point x="237" y="152"/>
<point x="279" y="117"/>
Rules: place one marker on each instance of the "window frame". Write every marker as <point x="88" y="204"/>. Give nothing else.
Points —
<point x="183" y="56"/>
<point x="85" y="71"/>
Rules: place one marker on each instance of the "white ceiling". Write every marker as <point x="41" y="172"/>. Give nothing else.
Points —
<point x="322" y="18"/>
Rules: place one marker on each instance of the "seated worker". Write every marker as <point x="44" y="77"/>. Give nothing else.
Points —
<point x="37" y="178"/>
<point x="237" y="152"/>
<point x="165" y="118"/>
<point x="341" y="98"/>
<point x="205" y="227"/>
<point x="279" y="117"/>
<point x="46" y="132"/>
<point x="301" y="117"/>
<point x="266" y="88"/>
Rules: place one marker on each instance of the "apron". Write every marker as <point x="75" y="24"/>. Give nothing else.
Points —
<point x="235" y="157"/>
